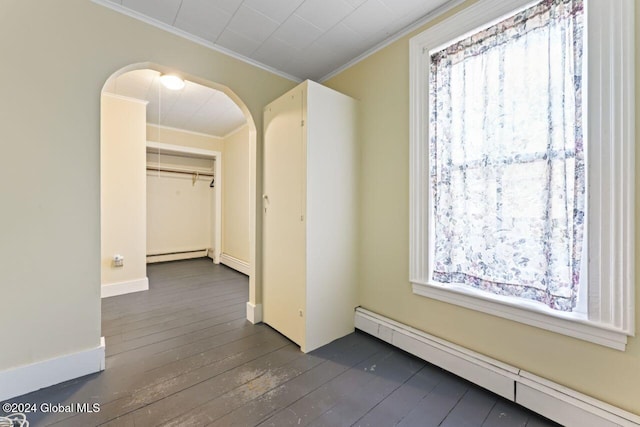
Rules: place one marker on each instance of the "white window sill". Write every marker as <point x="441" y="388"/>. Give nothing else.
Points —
<point x="573" y="325"/>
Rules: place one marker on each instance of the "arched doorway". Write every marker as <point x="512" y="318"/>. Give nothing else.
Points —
<point x="128" y="187"/>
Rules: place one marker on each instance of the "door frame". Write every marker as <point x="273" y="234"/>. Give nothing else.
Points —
<point x="254" y="305"/>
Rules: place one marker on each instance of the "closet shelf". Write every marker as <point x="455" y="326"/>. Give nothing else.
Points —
<point x="178" y="150"/>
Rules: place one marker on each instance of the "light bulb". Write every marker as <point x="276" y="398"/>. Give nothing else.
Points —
<point x="172" y="82"/>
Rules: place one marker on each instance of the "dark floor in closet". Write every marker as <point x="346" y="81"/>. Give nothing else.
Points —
<point x="183" y="354"/>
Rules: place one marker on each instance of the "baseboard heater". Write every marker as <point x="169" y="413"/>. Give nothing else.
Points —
<point x="176" y="255"/>
<point x="558" y="403"/>
<point x="235" y="263"/>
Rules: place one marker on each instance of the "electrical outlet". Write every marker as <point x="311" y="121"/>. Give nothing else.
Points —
<point x="118" y="261"/>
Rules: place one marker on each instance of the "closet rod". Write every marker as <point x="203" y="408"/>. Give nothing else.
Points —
<point x="156" y="168"/>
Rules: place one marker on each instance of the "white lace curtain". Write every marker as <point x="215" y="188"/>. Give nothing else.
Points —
<point x="507" y="161"/>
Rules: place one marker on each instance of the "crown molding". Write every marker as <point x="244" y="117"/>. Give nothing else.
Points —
<point x="236" y="130"/>
<point x="190" y="132"/>
<point x="195" y="39"/>
<point x="440" y="10"/>
<point x="206" y="43"/>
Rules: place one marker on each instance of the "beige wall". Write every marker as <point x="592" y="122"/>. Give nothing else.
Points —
<point x="56" y="58"/>
<point x="381" y="82"/>
<point x="123" y="188"/>
<point x="235" y="195"/>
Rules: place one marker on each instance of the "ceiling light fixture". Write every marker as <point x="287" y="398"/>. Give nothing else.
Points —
<point x="172" y="82"/>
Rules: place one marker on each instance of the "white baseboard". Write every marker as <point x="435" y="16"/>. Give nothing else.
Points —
<point x="215" y="257"/>
<point x="556" y="402"/>
<point x="235" y="263"/>
<point x="484" y="371"/>
<point x="568" y="407"/>
<point x="152" y="259"/>
<point x="25" y="379"/>
<point x="254" y="313"/>
<point x="121" y="288"/>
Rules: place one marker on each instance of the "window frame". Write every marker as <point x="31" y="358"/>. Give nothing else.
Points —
<point x="610" y="152"/>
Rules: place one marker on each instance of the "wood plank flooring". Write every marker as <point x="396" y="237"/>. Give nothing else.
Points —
<point x="183" y="354"/>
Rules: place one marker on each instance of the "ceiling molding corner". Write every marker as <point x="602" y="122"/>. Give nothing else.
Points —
<point x="234" y="131"/>
<point x="198" y="40"/>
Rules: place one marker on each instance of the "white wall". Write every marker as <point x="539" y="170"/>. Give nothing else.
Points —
<point x="236" y="197"/>
<point x="186" y="139"/>
<point x="179" y="212"/>
<point x="123" y="189"/>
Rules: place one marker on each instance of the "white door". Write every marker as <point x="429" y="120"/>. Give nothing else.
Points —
<point x="284" y="216"/>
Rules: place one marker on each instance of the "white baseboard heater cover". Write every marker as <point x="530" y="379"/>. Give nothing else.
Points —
<point x="235" y="263"/>
<point x="556" y="402"/>
<point x="176" y="255"/>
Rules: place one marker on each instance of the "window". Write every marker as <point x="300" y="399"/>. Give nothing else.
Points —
<point x="521" y="184"/>
<point x="506" y="157"/>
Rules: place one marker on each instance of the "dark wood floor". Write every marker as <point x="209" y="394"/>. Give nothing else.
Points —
<point x="182" y="354"/>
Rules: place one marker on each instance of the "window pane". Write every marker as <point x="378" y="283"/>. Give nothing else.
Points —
<point x="506" y="156"/>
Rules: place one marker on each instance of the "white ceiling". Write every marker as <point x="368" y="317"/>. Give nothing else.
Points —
<point x="195" y="108"/>
<point x="305" y="39"/>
